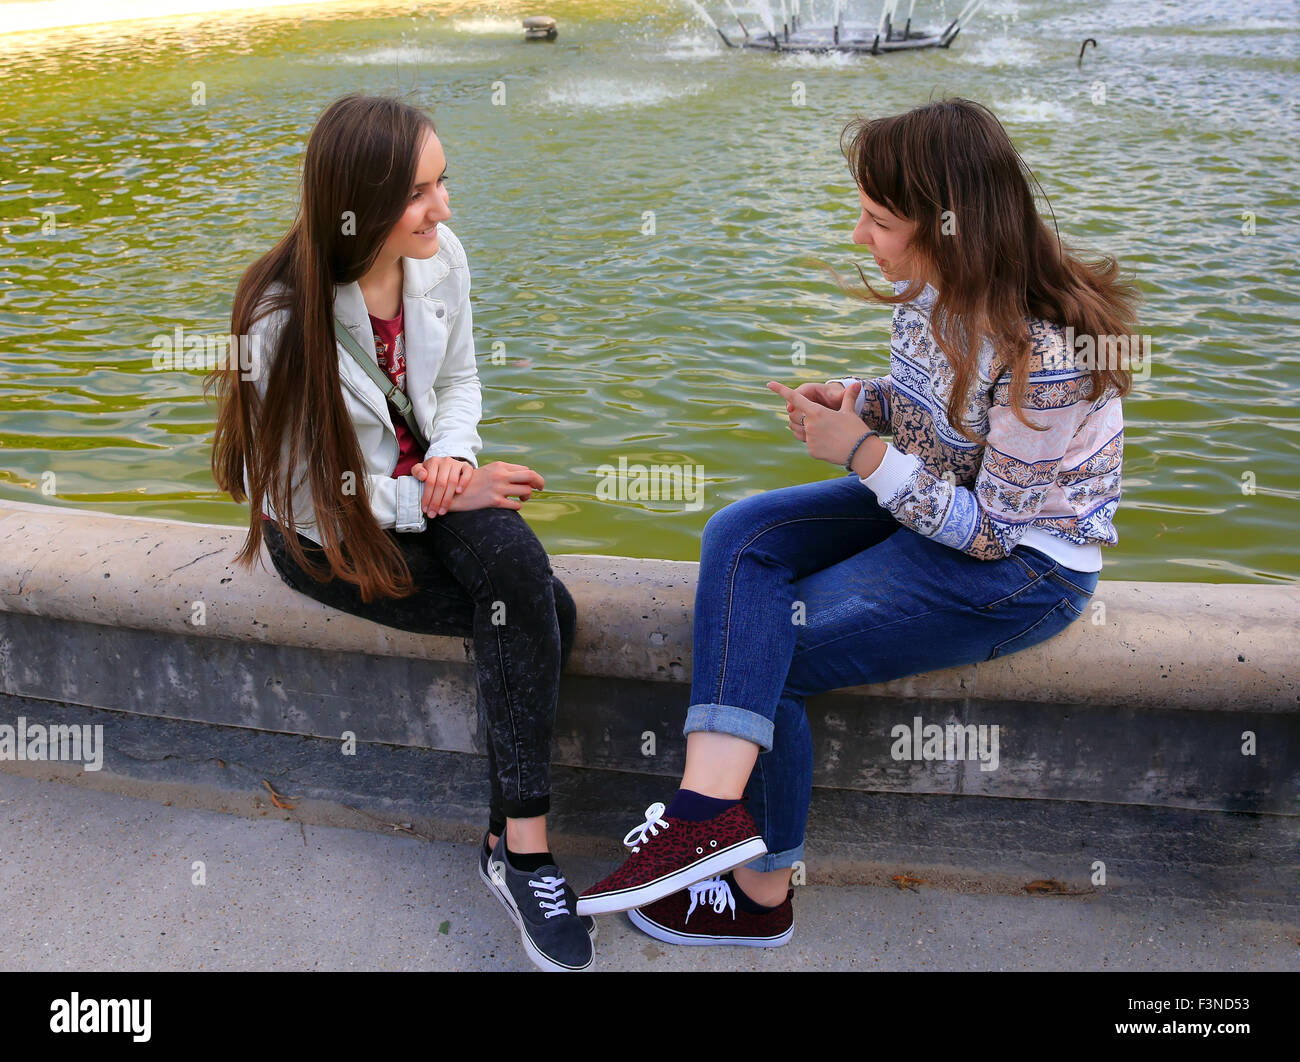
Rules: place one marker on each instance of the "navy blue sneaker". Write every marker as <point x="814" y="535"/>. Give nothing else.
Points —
<point x="588" y="923"/>
<point x="541" y="904"/>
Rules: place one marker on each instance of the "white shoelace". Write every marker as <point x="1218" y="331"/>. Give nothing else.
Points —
<point x="550" y="892"/>
<point x="716" y="893"/>
<point x="640" y="835"/>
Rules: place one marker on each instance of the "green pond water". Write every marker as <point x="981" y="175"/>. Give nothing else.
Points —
<point x="1180" y="128"/>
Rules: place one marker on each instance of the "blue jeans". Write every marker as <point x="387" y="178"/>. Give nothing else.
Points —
<point x="817" y="587"/>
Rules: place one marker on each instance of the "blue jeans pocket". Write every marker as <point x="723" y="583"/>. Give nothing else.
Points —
<point x="1022" y="572"/>
<point x="1060" y="616"/>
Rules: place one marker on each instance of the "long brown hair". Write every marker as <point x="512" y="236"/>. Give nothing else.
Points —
<point x="357" y="177"/>
<point x="950" y="167"/>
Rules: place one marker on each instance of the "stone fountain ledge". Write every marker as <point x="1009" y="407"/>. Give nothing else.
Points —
<point x="1165" y="645"/>
<point x="1118" y="742"/>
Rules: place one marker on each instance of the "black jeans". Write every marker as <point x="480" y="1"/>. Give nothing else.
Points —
<point x="480" y="574"/>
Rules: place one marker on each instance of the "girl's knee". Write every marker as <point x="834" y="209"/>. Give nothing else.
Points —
<point x="734" y="520"/>
<point x="509" y="550"/>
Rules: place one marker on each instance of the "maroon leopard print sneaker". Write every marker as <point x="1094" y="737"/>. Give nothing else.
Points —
<point x="706" y="913"/>
<point x="670" y="854"/>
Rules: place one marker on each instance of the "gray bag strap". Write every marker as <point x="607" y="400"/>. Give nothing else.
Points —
<point x="391" y="391"/>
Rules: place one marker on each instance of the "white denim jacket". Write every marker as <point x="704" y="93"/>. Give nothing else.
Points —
<point x="441" y="382"/>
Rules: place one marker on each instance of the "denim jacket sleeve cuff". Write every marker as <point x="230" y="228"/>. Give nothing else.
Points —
<point x="409" y="515"/>
<point x="442" y="451"/>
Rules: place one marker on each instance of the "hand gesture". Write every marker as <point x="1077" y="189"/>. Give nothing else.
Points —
<point x="829" y="433"/>
<point x="498" y="485"/>
<point x="830" y="395"/>
<point x="443" y="479"/>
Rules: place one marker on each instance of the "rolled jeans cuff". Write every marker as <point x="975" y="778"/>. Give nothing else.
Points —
<point x="410" y="492"/>
<point x="777" y="860"/>
<point x="725" y="719"/>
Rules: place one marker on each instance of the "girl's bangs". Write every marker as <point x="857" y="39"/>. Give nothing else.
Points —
<point x="876" y="164"/>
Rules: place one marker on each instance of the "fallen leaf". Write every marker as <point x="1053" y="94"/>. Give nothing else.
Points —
<point x="903" y="881"/>
<point x="277" y="798"/>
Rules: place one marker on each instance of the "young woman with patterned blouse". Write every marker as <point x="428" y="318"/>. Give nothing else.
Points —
<point x="974" y="533"/>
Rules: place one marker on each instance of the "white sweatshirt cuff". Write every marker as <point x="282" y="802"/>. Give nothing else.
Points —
<point x="892" y="475"/>
<point x="861" y="400"/>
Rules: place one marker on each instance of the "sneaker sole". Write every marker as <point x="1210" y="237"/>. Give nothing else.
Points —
<point x="593" y="932"/>
<point x="671" y="936"/>
<point x="644" y="895"/>
<point x="541" y="961"/>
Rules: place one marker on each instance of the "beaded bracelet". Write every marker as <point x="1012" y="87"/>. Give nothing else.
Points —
<point x="848" y="465"/>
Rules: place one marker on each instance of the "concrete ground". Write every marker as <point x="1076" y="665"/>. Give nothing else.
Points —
<point x="96" y="881"/>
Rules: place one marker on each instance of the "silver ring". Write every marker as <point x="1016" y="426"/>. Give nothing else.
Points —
<point x="802" y="419"/>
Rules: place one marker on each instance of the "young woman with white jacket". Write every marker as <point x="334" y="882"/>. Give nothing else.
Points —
<point x="360" y="513"/>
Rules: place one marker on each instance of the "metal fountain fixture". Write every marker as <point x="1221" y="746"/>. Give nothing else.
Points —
<point x="801" y="32"/>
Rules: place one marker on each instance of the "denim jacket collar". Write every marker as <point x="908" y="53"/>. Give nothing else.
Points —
<point x="419" y="278"/>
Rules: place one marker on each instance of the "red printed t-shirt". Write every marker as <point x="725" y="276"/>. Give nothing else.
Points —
<point x="390" y="350"/>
